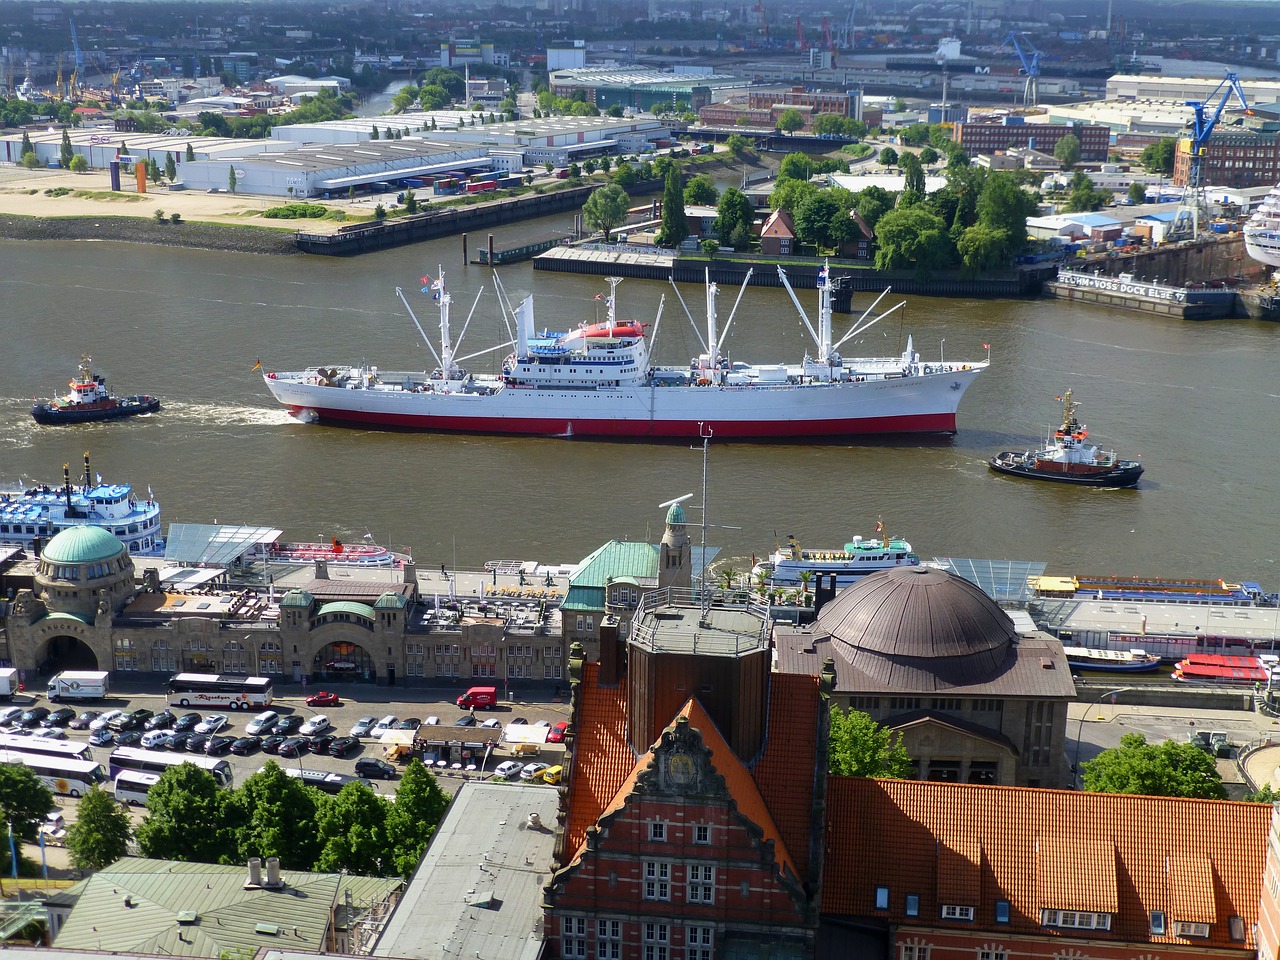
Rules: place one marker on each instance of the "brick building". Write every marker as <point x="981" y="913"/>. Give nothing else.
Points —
<point x="843" y="104"/>
<point x="988" y="137"/>
<point x="1233" y="157"/>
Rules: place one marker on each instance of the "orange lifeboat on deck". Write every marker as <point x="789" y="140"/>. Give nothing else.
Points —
<point x="619" y="328"/>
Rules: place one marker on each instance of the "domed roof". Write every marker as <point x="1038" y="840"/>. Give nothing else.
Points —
<point x="675" y="514"/>
<point x="918" y="628"/>
<point x="82" y="545"/>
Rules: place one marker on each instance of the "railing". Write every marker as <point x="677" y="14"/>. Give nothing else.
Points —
<point x="1139" y="288"/>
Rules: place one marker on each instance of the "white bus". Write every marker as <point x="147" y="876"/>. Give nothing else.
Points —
<point x="137" y="760"/>
<point x="131" y="787"/>
<point x="64" y="775"/>
<point x="211" y="690"/>
<point x="328" y="782"/>
<point x="46" y="747"/>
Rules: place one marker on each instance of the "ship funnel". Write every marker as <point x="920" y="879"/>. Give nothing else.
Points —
<point x="524" y="327"/>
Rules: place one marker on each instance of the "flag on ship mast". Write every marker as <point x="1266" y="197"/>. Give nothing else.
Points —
<point x="257" y="365"/>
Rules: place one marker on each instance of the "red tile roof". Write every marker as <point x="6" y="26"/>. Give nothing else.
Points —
<point x="602" y="759"/>
<point x="785" y="771"/>
<point x="778" y="225"/>
<point x="1198" y="861"/>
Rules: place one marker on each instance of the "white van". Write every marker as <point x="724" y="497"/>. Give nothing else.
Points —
<point x="261" y="723"/>
<point x="131" y="786"/>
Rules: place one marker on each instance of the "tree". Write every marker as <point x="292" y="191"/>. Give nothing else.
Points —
<point x="433" y="97"/>
<point x="928" y="156"/>
<point x="1081" y="195"/>
<point x="1067" y="151"/>
<point x="79" y="164"/>
<point x="153" y="170"/>
<point x="410" y="202"/>
<point x="26" y="145"/>
<point x="701" y="191"/>
<point x="24" y="801"/>
<point x="734" y="211"/>
<point x="795" y="166"/>
<point x="912" y="236"/>
<point x="352" y="828"/>
<point x="187" y="818"/>
<point x="191" y="153"/>
<point x="624" y="175"/>
<point x="412" y="820"/>
<point x="1158" y="157"/>
<point x="1137" y="192"/>
<point x="606" y="163"/>
<point x="373" y="133"/>
<point x="65" y="152"/>
<point x="100" y="834"/>
<point x="675" y="227"/>
<point x="913" y="173"/>
<point x="789" y="194"/>
<point x="276" y="816"/>
<point x="1003" y="205"/>
<point x="709" y="247"/>
<point x="404" y="99"/>
<point x="452" y="81"/>
<point x="170" y="168"/>
<point x="379" y="213"/>
<point x="814" y="217"/>
<point x="606" y="208"/>
<point x="872" y="203"/>
<point x="231" y="178"/>
<point x="790" y="120"/>
<point x="983" y="248"/>
<point x="737" y="145"/>
<point x="589" y="166"/>
<point x="888" y="157"/>
<point x="860" y="747"/>
<point x="1169" y="769"/>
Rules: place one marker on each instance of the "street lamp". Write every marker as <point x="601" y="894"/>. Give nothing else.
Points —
<point x="1075" y="763"/>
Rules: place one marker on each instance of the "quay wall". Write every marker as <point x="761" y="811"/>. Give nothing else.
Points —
<point x="1163" y="695"/>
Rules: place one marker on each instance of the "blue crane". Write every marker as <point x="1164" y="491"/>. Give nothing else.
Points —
<point x="75" y="44"/>
<point x="1030" y="57"/>
<point x="1187" y="221"/>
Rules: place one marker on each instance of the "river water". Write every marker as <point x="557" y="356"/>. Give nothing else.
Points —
<point x="1198" y="403"/>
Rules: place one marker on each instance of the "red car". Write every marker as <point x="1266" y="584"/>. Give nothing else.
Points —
<point x="323" y="699"/>
<point x="557" y="732"/>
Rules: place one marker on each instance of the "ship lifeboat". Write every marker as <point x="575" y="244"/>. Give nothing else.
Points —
<point x="619" y="328"/>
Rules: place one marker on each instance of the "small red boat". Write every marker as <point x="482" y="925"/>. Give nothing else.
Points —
<point x="618" y="329"/>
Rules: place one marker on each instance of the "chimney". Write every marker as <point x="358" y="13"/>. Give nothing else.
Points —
<point x="37" y="544"/>
<point x="273" y="873"/>
<point x="255" y="872"/>
<point x="410" y="572"/>
<point x="823" y="592"/>
<point x="322" y="569"/>
<point x="611" y="653"/>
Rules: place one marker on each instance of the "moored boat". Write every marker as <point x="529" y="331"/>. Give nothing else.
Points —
<point x="1123" y="661"/>
<point x="1212" y="668"/>
<point x="599" y="381"/>
<point x="335" y="552"/>
<point x="788" y="565"/>
<point x="1068" y="457"/>
<point x="89" y="401"/>
<point x="1262" y="232"/>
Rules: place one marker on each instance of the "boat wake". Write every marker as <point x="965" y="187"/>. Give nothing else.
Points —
<point x="222" y="415"/>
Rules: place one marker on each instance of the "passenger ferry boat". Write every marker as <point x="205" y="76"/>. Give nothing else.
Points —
<point x="858" y="558"/>
<point x="1067" y="457"/>
<point x="1123" y="661"/>
<point x="600" y="381"/>
<point x="44" y="511"/>
<point x="1156" y="590"/>
<point x="1212" y="668"/>
<point x="335" y="552"/>
<point x="89" y="401"/>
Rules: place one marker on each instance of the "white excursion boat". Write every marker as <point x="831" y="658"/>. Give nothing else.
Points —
<point x="598" y="381"/>
<point x="1127" y="661"/>
<point x="858" y="558"/>
<point x="1262" y="232"/>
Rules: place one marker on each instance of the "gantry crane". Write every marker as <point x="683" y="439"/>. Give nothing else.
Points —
<point x="1030" y="57"/>
<point x="1186" y="224"/>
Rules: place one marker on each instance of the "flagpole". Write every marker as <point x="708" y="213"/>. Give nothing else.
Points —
<point x="13" y="853"/>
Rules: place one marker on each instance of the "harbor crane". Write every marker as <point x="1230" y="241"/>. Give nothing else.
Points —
<point x="1194" y="206"/>
<point x="1030" y="57"/>
<point x="75" y="45"/>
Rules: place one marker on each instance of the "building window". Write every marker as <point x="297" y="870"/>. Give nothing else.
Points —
<point x="657" y="880"/>
<point x="904" y="703"/>
<point x="701" y="833"/>
<point x="913" y="905"/>
<point x="989" y="953"/>
<point x="702" y="883"/>
<point x="658" y="832"/>
<point x="1157" y="923"/>
<point x="1078" y="920"/>
<point x="573" y="937"/>
<point x="1236" y="926"/>
<point x="882" y="898"/>
<point x="1184" y="929"/>
<point x="1002" y="911"/>
<point x="864" y="703"/>
<point x="608" y="939"/>
<point x="699" y="943"/>
<point x="656" y="936"/>
<point x="951" y="911"/>
<point x="913" y="951"/>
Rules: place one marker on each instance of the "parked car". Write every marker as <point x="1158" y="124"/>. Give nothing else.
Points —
<point x="507" y="770"/>
<point x="287" y="726"/>
<point x="343" y="746"/>
<point x="293" y="747"/>
<point x="79" y="723"/>
<point x="218" y="745"/>
<point x="59" y="718"/>
<point x="177" y="739"/>
<point x="409" y="723"/>
<point x="433" y="721"/>
<point x="492" y="723"/>
<point x="533" y="771"/>
<point x="466" y="720"/>
<point x="375" y="769"/>
<point x="385" y="724"/>
<point x="102" y="737"/>
<point x="9" y="714"/>
<point x="154" y="739"/>
<point x="363" y="727"/>
<point x="322" y="743"/>
<point x="188" y="721"/>
<point x="50" y="733"/>
<point x="272" y="744"/>
<point x="102" y="719"/>
<point x="131" y="721"/>
<point x="198" y="742"/>
<point x="324" y="699"/>
<point x="212" y="723"/>
<point x="33" y="717"/>
<point x="128" y="738"/>
<point x="553" y="774"/>
<point x="246" y="746"/>
<point x="520" y="720"/>
<point x="315" y="725"/>
<point x="263" y="723"/>
<point x="558" y="732"/>
<point x="161" y="721"/>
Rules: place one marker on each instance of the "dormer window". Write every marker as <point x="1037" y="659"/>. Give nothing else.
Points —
<point x="1076" y="919"/>
<point x="951" y="911"/>
<point x="1157" y="923"/>
<point x="1183" y="928"/>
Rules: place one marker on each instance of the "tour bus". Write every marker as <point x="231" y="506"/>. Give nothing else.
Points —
<point x="63" y="775"/>
<point x="158" y="761"/>
<point x="131" y="787"/>
<point x="211" y="690"/>
<point x="46" y="747"/>
<point x="328" y="782"/>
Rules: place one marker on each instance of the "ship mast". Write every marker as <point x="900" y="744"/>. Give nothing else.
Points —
<point x="447" y="367"/>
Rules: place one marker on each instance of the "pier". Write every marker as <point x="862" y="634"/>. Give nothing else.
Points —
<point x="1128" y="293"/>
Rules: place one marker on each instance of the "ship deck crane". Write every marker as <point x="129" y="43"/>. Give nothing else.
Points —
<point x="1030" y="57"/>
<point x="1187" y="222"/>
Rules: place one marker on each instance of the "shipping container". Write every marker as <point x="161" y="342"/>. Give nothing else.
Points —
<point x="507" y="183"/>
<point x="483" y="186"/>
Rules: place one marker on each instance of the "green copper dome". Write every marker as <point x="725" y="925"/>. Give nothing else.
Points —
<point x="675" y="514"/>
<point x="82" y="545"/>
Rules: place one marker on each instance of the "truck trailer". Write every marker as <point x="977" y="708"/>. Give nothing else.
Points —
<point x="79" y="685"/>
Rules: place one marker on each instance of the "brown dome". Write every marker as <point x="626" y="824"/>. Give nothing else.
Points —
<point x="917" y="628"/>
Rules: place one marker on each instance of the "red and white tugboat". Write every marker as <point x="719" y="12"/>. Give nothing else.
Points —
<point x="89" y="401"/>
<point x="1068" y="457"/>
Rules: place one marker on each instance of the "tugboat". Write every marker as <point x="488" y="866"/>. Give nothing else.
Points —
<point x="1068" y="458"/>
<point x="89" y="401"/>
